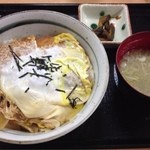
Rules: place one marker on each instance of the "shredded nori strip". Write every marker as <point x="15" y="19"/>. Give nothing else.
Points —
<point x="71" y="91"/>
<point x="48" y="57"/>
<point x="64" y="75"/>
<point x="59" y="90"/>
<point x="40" y="75"/>
<point x="24" y="75"/>
<point x="54" y="67"/>
<point x="16" y="58"/>
<point x="27" y="90"/>
<point x="35" y="72"/>
<point x="47" y="73"/>
<point x="73" y="101"/>
<point x="11" y="49"/>
<point x="30" y="61"/>
<point x="48" y="82"/>
<point x="41" y="63"/>
<point x="45" y="67"/>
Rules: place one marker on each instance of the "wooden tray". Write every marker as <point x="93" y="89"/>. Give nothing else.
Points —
<point x="117" y="123"/>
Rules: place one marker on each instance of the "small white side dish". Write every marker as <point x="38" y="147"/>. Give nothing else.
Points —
<point x="41" y="22"/>
<point x="90" y="13"/>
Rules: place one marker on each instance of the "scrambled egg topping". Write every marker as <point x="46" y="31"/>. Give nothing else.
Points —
<point x="47" y="86"/>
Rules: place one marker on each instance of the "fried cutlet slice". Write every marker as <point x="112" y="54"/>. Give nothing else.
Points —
<point x="21" y="46"/>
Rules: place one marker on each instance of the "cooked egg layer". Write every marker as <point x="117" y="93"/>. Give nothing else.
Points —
<point x="48" y="82"/>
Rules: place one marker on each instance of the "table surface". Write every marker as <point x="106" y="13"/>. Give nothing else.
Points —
<point x="75" y="1"/>
<point x="117" y="122"/>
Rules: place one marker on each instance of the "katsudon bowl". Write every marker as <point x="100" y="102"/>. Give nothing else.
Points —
<point x="42" y="23"/>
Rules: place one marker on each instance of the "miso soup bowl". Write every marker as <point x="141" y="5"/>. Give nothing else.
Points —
<point x="140" y="40"/>
<point x="43" y="22"/>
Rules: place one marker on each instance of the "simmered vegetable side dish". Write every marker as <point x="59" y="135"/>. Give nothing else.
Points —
<point x="105" y="30"/>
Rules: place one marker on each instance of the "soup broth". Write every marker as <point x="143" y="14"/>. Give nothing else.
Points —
<point x="135" y="68"/>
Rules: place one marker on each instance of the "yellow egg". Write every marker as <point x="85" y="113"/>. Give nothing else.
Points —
<point x="53" y="82"/>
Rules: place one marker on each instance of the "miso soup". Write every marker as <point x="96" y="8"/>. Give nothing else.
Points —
<point x="135" y="68"/>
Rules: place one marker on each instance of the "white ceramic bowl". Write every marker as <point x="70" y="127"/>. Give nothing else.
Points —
<point x="41" y="22"/>
<point x="90" y="13"/>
